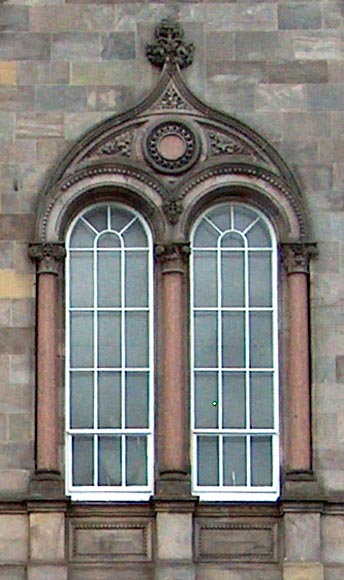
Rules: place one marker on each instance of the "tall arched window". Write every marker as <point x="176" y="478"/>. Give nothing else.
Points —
<point x="235" y="435"/>
<point x="109" y="355"/>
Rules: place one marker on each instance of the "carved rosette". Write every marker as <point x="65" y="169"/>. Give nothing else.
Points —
<point x="172" y="100"/>
<point x="296" y="256"/>
<point x="169" y="46"/>
<point x="173" y="210"/>
<point x="172" y="256"/>
<point x="171" y="147"/>
<point x="47" y="256"/>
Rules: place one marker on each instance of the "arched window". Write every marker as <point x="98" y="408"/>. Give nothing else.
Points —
<point x="109" y="355"/>
<point x="234" y="355"/>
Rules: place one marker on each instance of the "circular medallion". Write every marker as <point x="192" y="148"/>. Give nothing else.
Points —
<point x="171" y="147"/>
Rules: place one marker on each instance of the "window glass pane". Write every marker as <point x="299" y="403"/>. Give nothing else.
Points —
<point x="259" y="236"/>
<point x="243" y="217"/>
<point x="109" y="339"/>
<point x="109" y="400"/>
<point x="136" y="339"/>
<point x="234" y="451"/>
<point x="136" y="460"/>
<point x="81" y="400"/>
<point x="136" y="403"/>
<point x="261" y="460"/>
<point x="109" y="460"/>
<point x="81" y="331"/>
<point x="234" y="400"/>
<point x="120" y="217"/>
<point x="205" y="339"/>
<point x="82" y="447"/>
<point x="208" y="460"/>
<point x="221" y="217"/>
<point x="232" y="240"/>
<point x="232" y="279"/>
<point x="136" y="279"/>
<point x="205" y="236"/>
<point x="233" y="339"/>
<point x="109" y="278"/>
<point x="261" y="339"/>
<point x="135" y="236"/>
<point x="261" y="400"/>
<point x="260" y="286"/>
<point x="97" y="217"/>
<point x="82" y="236"/>
<point x="109" y="240"/>
<point x="205" y="278"/>
<point x="206" y="400"/>
<point x="81" y="279"/>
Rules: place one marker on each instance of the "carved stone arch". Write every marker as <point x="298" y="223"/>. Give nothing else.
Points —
<point x="170" y="157"/>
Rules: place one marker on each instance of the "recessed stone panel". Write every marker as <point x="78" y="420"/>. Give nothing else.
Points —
<point x="118" y="540"/>
<point x="235" y="541"/>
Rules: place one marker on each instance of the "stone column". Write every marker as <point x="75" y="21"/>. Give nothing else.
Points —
<point x="172" y="403"/>
<point x="296" y="260"/>
<point x="47" y="258"/>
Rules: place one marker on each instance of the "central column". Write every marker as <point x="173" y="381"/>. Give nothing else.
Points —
<point x="172" y="259"/>
<point x="47" y="476"/>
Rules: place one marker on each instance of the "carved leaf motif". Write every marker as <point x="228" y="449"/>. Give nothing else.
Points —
<point x="169" y="46"/>
<point x="223" y="145"/>
<point x="120" y="145"/>
<point x="172" y="100"/>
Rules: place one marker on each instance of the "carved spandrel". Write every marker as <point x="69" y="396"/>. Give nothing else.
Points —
<point x="225" y="145"/>
<point x="47" y="256"/>
<point x="296" y="256"/>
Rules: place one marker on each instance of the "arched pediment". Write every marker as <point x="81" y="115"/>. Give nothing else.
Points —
<point x="168" y="145"/>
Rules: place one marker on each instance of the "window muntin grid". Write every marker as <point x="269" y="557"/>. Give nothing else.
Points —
<point x="234" y="357"/>
<point x="109" y="355"/>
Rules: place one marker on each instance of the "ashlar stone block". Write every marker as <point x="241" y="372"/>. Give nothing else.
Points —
<point x="13" y="538"/>
<point x="174" y="536"/>
<point x="47" y="537"/>
<point x="302" y="537"/>
<point x="309" y="571"/>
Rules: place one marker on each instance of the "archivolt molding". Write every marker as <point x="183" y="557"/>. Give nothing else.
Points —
<point x="170" y="148"/>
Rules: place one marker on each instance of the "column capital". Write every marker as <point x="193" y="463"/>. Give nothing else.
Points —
<point x="47" y="256"/>
<point x="172" y="256"/>
<point x="296" y="256"/>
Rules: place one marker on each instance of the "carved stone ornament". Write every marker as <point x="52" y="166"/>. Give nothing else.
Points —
<point x="47" y="256"/>
<point x="171" y="147"/>
<point x="173" y="210"/>
<point x="172" y="100"/>
<point x="175" y="251"/>
<point x="296" y="256"/>
<point x="121" y="145"/>
<point x="222" y="145"/>
<point x="169" y="46"/>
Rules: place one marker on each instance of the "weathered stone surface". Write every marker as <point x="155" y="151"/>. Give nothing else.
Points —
<point x="33" y="125"/>
<point x="276" y="97"/>
<point x="241" y="17"/>
<point x="47" y="537"/>
<point x="13" y="538"/>
<point x="302" y="571"/>
<point x="340" y="369"/>
<point x="24" y="46"/>
<point x="261" y="45"/>
<point x="12" y="572"/>
<point x="15" y="99"/>
<point x="297" y="72"/>
<point x="302" y="537"/>
<point x="118" y="45"/>
<point x="174" y="536"/>
<point x="72" y="18"/>
<point x="8" y="73"/>
<point x="32" y="73"/>
<point x="333" y="540"/>
<point x="225" y="573"/>
<point x="20" y="427"/>
<point x="317" y="45"/>
<point x="299" y="15"/>
<point x="75" y="46"/>
<point x="13" y="18"/>
<point x="110" y="573"/>
<point x="47" y="573"/>
<point x="60" y="98"/>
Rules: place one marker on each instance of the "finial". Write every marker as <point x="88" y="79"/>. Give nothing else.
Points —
<point x="169" y="46"/>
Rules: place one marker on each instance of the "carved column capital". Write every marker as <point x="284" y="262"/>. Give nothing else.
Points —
<point x="47" y="256"/>
<point x="172" y="256"/>
<point x="296" y="256"/>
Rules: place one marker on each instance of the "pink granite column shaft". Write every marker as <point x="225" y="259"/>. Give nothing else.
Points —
<point x="299" y="455"/>
<point x="172" y="411"/>
<point x="46" y="257"/>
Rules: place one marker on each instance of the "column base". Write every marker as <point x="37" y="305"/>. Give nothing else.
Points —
<point x="302" y="485"/>
<point x="303" y="571"/>
<point x="173" y="486"/>
<point x="46" y="483"/>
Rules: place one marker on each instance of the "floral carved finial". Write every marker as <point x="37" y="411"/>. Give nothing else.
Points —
<point x="169" y="46"/>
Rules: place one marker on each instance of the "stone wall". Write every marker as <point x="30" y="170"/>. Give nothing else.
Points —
<point x="65" y="66"/>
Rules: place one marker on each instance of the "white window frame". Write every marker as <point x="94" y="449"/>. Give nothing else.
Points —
<point x="123" y="492"/>
<point x="248" y="492"/>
